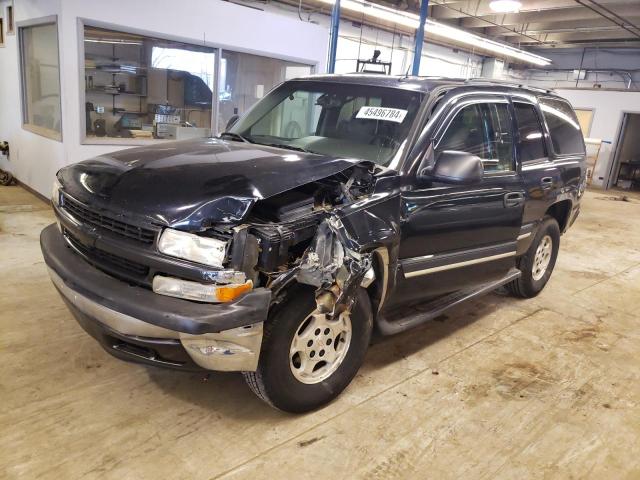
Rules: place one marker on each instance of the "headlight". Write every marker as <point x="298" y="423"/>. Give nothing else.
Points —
<point x="209" y="251"/>
<point x="55" y="192"/>
<point x="175" y="287"/>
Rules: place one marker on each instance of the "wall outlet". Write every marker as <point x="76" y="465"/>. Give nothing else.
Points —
<point x="99" y="109"/>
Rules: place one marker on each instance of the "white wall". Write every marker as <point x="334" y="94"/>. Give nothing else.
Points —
<point x="35" y="159"/>
<point x="608" y="110"/>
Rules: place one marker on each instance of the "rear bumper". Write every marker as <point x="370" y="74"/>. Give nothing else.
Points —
<point x="136" y="324"/>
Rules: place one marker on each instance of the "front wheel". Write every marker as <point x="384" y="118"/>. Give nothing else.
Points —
<point x="537" y="263"/>
<point x="307" y="359"/>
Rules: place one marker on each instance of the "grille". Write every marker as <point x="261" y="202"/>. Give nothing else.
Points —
<point x="111" y="263"/>
<point x="95" y="219"/>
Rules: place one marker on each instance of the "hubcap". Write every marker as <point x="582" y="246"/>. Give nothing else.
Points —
<point x="319" y="346"/>
<point x="542" y="258"/>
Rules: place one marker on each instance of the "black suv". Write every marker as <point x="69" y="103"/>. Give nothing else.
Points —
<point x="336" y="206"/>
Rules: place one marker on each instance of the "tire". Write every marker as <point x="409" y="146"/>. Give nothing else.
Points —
<point x="274" y="380"/>
<point x="532" y="280"/>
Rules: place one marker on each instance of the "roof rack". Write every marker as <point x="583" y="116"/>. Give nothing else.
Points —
<point x="508" y="84"/>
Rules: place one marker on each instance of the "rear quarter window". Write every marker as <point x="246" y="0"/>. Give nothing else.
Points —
<point x="564" y="128"/>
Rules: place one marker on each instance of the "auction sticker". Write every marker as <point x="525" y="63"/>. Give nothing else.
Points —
<point x="382" y="113"/>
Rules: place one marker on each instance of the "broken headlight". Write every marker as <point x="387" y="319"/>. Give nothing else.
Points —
<point x="209" y="251"/>
<point x="55" y="192"/>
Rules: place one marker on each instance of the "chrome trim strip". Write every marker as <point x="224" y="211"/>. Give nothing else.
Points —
<point x="117" y="321"/>
<point x="459" y="264"/>
<point x="523" y="236"/>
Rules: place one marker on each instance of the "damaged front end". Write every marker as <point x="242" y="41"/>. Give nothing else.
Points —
<point x="324" y="234"/>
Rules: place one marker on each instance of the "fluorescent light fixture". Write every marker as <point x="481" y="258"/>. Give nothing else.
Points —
<point x="505" y="6"/>
<point x="412" y="20"/>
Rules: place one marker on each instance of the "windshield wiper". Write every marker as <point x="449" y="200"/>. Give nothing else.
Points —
<point x="289" y="147"/>
<point x="235" y="136"/>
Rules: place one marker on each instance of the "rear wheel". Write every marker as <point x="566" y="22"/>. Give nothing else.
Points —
<point x="307" y="358"/>
<point x="537" y="263"/>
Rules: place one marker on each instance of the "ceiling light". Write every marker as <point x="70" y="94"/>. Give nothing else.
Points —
<point x="412" y="20"/>
<point x="505" y="6"/>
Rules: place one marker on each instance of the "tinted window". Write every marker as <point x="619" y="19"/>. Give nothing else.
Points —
<point x="530" y="137"/>
<point x="566" y="136"/>
<point x="483" y="130"/>
<point x="498" y="124"/>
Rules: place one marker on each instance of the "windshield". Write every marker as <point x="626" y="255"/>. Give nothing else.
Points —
<point x="342" y="120"/>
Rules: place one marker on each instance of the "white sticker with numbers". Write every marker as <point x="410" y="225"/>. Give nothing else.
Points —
<point x="382" y="113"/>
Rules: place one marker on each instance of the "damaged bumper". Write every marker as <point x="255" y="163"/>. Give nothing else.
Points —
<point x="133" y="323"/>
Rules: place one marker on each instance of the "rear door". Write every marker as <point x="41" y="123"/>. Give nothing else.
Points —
<point x="541" y="177"/>
<point x="456" y="236"/>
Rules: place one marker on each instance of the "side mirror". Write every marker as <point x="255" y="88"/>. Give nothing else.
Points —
<point x="451" y="166"/>
<point x="232" y="121"/>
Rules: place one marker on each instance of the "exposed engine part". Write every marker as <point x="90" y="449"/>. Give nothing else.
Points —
<point x="335" y="270"/>
<point x="244" y="253"/>
<point x="297" y="236"/>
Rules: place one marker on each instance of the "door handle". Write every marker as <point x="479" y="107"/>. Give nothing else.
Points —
<point x="513" y="199"/>
<point x="546" y="182"/>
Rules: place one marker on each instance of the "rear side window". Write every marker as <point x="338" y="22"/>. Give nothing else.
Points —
<point x="566" y="136"/>
<point x="530" y="138"/>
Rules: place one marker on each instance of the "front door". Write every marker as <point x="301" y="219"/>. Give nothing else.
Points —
<point x="458" y="236"/>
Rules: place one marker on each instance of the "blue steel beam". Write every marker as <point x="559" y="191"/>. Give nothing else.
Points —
<point x="417" y="55"/>
<point x="333" y="40"/>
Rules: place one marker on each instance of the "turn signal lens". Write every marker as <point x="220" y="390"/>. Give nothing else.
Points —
<point x="211" y="293"/>
<point x="227" y="293"/>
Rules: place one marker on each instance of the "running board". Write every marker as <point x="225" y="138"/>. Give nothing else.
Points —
<point x="431" y="310"/>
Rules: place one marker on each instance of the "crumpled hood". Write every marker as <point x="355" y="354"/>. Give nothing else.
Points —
<point x="193" y="184"/>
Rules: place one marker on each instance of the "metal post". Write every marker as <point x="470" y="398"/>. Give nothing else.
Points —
<point x="333" y="40"/>
<point x="417" y="55"/>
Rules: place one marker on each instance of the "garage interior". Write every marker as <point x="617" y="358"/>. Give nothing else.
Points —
<point x="498" y="387"/>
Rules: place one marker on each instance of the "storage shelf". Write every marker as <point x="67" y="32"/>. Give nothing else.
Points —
<point x="100" y="70"/>
<point x="103" y="92"/>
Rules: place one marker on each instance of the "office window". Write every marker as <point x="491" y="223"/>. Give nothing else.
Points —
<point x="142" y="87"/>
<point x="246" y="78"/>
<point x="40" y="71"/>
<point x="530" y="137"/>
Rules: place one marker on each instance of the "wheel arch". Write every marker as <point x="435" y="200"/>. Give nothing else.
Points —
<point x="561" y="211"/>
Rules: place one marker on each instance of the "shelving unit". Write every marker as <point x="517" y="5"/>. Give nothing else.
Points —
<point x="121" y="71"/>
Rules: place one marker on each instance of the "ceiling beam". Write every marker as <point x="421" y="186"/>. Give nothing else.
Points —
<point x="442" y="9"/>
<point x="540" y="28"/>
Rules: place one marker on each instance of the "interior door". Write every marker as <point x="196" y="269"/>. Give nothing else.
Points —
<point x="457" y="236"/>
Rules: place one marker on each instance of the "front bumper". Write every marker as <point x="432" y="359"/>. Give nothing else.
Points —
<point x="134" y="323"/>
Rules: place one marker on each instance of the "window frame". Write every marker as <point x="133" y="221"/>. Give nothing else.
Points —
<point x="42" y="131"/>
<point x="543" y="129"/>
<point x="472" y="99"/>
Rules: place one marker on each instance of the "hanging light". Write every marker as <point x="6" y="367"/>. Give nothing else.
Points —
<point x="505" y="6"/>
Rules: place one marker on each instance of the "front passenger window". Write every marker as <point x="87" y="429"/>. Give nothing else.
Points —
<point x="483" y="130"/>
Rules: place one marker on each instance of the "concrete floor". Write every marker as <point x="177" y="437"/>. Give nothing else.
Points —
<point x="503" y="388"/>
